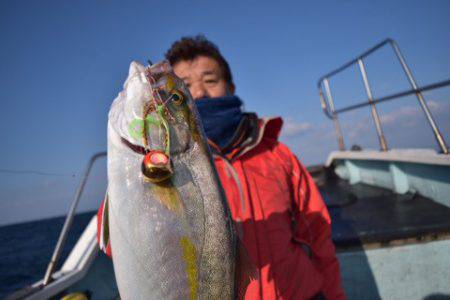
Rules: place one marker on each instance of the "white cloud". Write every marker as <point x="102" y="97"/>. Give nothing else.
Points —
<point x="403" y="112"/>
<point x="292" y="128"/>
<point x="434" y="105"/>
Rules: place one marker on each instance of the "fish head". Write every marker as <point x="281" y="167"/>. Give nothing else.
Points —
<point x="160" y="117"/>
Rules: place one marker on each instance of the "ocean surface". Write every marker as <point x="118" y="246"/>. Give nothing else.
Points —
<point x="26" y="249"/>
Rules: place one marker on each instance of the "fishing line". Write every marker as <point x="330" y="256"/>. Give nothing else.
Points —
<point x="11" y="171"/>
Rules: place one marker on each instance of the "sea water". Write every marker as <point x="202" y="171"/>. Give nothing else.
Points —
<point x="26" y="249"/>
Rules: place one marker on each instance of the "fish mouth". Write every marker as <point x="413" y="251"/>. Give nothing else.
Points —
<point x="156" y="166"/>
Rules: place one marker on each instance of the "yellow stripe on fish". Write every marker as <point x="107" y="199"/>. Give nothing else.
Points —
<point x="190" y="258"/>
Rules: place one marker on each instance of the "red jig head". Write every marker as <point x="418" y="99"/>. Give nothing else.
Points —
<point x="156" y="166"/>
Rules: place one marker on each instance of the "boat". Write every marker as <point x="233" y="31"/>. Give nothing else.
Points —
<point x="390" y="211"/>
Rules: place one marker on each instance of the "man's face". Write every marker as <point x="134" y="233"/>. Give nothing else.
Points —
<point x="204" y="78"/>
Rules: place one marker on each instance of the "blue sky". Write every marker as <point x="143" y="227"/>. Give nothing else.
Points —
<point x="63" y="62"/>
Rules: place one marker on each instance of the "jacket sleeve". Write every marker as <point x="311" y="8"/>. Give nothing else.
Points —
<point x="312" y="227"/>
<point x="103" y="228"/>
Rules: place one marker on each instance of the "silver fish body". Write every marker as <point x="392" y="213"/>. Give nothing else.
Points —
<point x="171" y="239"/>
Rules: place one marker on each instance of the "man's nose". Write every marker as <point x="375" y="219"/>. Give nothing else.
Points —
<point x="198" y="91"/>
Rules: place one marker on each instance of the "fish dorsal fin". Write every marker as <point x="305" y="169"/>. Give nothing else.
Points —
<point x="245" y="270"/>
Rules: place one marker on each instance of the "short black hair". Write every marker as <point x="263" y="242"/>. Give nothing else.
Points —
<point x="189" y="48"/>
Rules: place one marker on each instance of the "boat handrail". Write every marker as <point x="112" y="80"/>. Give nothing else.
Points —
<point x="328" y="107"/>
<point x="69" y="219"/>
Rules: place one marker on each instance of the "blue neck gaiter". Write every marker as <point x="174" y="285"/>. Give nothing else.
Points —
<point x="220" y="117"/>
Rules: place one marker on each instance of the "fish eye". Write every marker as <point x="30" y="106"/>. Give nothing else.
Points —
<point x="177" y="97"/>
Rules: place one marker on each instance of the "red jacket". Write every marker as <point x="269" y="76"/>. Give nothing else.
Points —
<point x="281" y="219"/>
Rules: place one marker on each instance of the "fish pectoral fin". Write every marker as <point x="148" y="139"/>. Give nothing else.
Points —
<point x="245" y="270"/>
<point x="167" y="194"/>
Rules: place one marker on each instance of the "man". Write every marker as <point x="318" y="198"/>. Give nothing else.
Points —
<point x="279" y="213"/>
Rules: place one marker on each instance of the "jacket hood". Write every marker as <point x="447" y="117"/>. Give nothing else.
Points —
<point x="270" y="128"/>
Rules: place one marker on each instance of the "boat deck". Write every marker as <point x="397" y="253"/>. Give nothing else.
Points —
<point x="362" y="214"/>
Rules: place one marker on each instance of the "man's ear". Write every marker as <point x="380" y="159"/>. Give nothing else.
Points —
<point x="231" y="88"/>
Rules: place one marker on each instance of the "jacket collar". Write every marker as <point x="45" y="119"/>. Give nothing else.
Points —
<point x="249" y="135"/>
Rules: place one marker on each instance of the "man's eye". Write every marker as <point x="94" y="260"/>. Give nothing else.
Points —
<point x="210" y="81"/>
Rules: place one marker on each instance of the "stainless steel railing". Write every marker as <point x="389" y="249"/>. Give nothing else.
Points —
<point x="330" y="111"/>
<point x="69" y="219"/>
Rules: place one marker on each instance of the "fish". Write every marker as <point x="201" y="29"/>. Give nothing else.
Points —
<point x="170" y="228"/>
